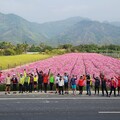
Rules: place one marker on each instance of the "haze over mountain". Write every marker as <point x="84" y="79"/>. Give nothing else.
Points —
<point x="117" y="24"/>
<point x="75" y="30"/>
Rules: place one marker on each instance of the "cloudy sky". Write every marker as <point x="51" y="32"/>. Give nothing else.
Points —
<point x="51" y="10"/>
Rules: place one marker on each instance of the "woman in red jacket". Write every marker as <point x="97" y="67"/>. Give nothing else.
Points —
<point x="118" y="87"/>
<point x="45" y="80"/>
<point x="81" y="85"/>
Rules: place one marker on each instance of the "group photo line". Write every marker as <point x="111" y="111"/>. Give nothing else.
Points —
<point x="28" y="82"/>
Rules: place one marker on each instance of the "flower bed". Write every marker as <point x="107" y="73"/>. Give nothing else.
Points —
<point x="73" y="63"/>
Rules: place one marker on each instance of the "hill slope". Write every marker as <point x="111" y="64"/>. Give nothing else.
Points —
<point x="18" y="30"/>
<point x="89" y="32"/>
<point x="75" y="30"/>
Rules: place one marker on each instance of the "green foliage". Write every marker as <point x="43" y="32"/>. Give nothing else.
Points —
<point x="6" y="45"/>
<point x="2" y="87"/>
<point x="9" y="51"/>
<point x="33" y="48"/>
<point x="7" y="48"/>
<point x="56" y="51"/>
<point x="65" y="46"/>
<point x="74" y="31"/>
<point x="98" y="49"/>
<point x="41" y="48"/>
<point x="17" y="30"/>
<point x="92" y="48"/>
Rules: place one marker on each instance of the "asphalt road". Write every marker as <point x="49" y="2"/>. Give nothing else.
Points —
<point x="55" y="107"/>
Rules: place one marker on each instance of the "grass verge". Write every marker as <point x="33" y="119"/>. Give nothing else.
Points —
<point x="7" y="62"/>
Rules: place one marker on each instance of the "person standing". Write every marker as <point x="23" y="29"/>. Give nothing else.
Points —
<point x="97" y="84"/>
<point x="14" y="81"/>
<point x="73" y="84"/>
<point x="113" y="86"/>
<point x="35" y="82"/>
<point x="31" y="83"/>
<point x="45" y="80"/>
<point x="103" y="84"/>
<point x="40" y="80"/>
<point x="66" y="80"/>
<point x="81" y="85"/>
<point x="61" y="85"/>
<point x="88" y="85"/>
<point x="8" y="84"/>
<point x="52" y="79"/>
<point x="56" y="81"/>
<point x="118" y="86"/>
<point x="26" y="82"/>
<point x="21" y="83"/>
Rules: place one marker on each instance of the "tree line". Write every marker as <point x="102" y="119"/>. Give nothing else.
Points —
<point x="7" y="48"/>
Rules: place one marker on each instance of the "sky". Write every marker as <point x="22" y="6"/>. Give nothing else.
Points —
<point x="51" y="10"/>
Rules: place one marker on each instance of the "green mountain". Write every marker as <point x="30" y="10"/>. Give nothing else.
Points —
<point x="75" y="30"/>
<point x="18" y="30"/>
<point x="90" y="32"/>
<point x="51" y="29"/>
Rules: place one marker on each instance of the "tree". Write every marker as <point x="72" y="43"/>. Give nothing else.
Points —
<point x="9" y="51"/>
<point x="25" y="47"/>
<point x="19" y="49"/>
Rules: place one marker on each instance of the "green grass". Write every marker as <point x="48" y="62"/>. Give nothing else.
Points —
<point x="17" y="60"/>
<point x="2" y="87"/>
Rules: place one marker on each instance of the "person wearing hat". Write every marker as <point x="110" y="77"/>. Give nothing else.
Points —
<point x="21" y="83"/>
<point x="14" y="81"/>
<point x="8" y="84"/>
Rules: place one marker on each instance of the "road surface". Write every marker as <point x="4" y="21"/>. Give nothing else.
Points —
<point x="58" y="107"/>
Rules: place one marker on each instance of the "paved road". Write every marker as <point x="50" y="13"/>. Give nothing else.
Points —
<point x="55" y="107"/>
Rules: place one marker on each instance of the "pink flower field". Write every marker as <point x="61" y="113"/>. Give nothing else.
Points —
<point x="73" y="63"/>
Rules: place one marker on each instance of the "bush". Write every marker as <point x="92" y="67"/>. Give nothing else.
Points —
<point x="9" y="52"/>
<point x="2" y="87"/>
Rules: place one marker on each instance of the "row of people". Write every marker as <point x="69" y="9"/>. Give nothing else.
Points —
<point x="28" y="81"/>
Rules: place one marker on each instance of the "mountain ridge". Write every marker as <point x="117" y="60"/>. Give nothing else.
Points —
<point x="74" y="30"/>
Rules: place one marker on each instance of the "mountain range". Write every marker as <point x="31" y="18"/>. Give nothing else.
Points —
<point x="75" y="30"/>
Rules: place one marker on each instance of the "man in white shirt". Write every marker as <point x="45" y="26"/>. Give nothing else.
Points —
<point x="61" y="85"/>
<point x="56" y="81"/>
